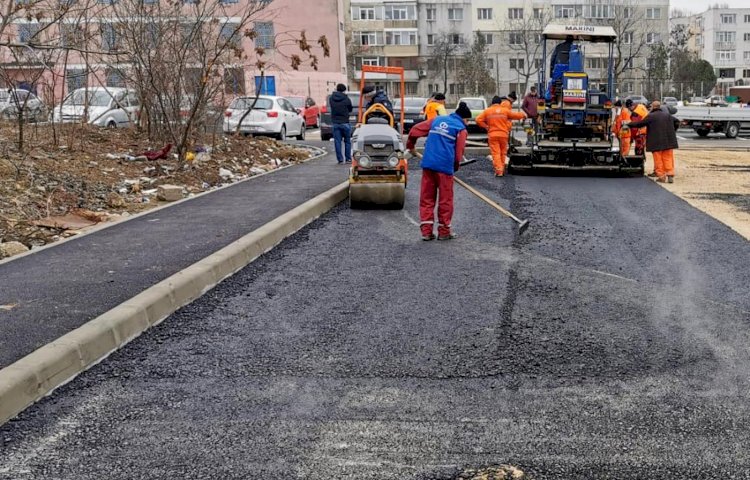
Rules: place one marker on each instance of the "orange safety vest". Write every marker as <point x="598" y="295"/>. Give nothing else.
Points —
<point x="432" y="110"/>
<point x="621" y="130"/>
<point x="497" y="119"/>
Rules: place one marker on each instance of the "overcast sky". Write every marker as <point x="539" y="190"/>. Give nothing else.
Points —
<point x="698" y="6"/>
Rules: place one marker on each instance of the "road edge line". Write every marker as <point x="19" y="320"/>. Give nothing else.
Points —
<point x="39" y="373"/>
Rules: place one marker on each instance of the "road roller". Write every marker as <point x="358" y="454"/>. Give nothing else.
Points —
<point x="379" y="169"/>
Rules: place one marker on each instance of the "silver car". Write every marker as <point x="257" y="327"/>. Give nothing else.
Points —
<point x="15" y="99"/>
<point x="275" y="116"/>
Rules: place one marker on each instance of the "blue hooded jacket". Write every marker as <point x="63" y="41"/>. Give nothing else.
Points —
<point x="440" y="149"/>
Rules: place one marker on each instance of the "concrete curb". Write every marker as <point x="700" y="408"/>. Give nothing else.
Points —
<point x="39" y="373"/>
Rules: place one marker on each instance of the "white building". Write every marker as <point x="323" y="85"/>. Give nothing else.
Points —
<point x="723" y="39"/>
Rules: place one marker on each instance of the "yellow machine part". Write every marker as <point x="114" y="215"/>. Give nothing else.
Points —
<point x="372" y="191"/>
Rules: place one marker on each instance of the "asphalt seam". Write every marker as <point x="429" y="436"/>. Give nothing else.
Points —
<point x="53" y="365"/>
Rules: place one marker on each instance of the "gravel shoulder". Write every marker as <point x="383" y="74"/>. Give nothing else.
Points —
<point x="716" y="182"/>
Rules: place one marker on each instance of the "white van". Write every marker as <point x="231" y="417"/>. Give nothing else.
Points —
<point x="112" y="107"/>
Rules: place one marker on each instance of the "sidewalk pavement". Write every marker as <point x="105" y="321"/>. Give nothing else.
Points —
<point x="61" y="288"/>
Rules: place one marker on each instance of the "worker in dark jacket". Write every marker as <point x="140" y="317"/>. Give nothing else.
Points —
<point x="446" y="140"/>
<point x="530" y="107"/>
<point x="373" y="96"/>
<point x="661" y="140"/>
<point x="561" y="53"/>
<point x="341" y="107"/>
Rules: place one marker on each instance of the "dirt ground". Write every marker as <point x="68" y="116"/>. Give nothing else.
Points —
<point x="716" y="182"/>
<point x="89" y="175"/>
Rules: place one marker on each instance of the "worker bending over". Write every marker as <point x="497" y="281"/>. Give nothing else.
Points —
<point x="497" y="120"/>
<point x="661" y="140"/>
<point x="435" y="107"/>
<point x="444" y="150"/>
<point x="638" y="112"/>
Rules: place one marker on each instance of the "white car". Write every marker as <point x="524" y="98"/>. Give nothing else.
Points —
<point x="274" y="116"/>
<point x="112" y="107"/>
<point x="13" y="99"/>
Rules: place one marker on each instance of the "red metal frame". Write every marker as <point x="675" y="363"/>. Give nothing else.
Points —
<point x="387" y="71"/>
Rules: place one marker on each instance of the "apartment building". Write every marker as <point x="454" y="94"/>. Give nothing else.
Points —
<point x="95" y="25"/>
<point x="723" y="39"/>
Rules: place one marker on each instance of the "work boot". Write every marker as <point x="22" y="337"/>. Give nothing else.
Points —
<point x="498" y="173"/>
<point x="428" y="237"/>
<point x="449" y="236"/>
<point x="652" y="175"/>
<point x="670" y="178"/>
<point x="662" y="179"/>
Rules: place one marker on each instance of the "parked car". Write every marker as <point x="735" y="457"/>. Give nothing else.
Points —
<point x="326" y="127"/>
<point x="308" y="109"/>
<point x="670" y="101"/>
<point x="274" y="116"/>
<point x="477" y="105"/>
<point x="638" y="99"/>
<point x="112" y="107"/>
<point x="13" y="99"/>
<point x="413" y="108"/>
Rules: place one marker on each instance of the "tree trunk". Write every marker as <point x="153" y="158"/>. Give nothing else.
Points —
<point x="255" y="100"/>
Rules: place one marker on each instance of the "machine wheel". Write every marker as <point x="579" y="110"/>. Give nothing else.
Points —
<point x="282" y="133"/>
<point x="301" y="135"/>
<point x="703" y="132"/>
<point x="112" y="124"/>
<point x="733" y="129"/>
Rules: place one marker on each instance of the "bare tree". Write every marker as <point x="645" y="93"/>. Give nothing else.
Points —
<point x="628" y="20"/>
<point x="525" y="41"/>
<point x="474" y="70"/>
<point x="442" y="54"/>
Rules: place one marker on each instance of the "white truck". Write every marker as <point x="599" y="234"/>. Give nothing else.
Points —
<point x="732" y="122"/>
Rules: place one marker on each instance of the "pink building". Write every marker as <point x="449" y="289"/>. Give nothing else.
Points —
<point x="54" y="72"/>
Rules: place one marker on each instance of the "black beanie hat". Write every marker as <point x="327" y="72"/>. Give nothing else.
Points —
<point x="341" y="87"/>
<point x="496" y="100"/>
<point x="513" y="96"/>
<point x="463" y="110"/>
<point x="439" y="97"/>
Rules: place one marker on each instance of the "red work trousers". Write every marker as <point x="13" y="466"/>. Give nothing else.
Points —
<point x="499" y="150"/>
<point x="664" y="163"/>
<point x="436" y="188"/>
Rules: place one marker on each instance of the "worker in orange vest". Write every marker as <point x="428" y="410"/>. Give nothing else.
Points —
<point x="638" y="136"/>
<point x="435" y="107"/>
<point x="621" y="128"/>
<point x="497" y="120"/>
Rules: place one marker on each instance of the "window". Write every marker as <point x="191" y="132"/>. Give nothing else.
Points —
<point x="599" y="11"/>
<point x="401" y="37"/>
<point x="229" y="33"/>
<point x="628" y="12"/>
<point x="515" y="38"/>
<point x="109" y="36"/>
<point x="653" y="13"/>
<point x="222" y="1"/>
<point x="567" y="11"/>
<point x="114" y="78"/>
<point x="456" y="89"/>
<point x="596" y="63"/>
<point x="726" y="56"/>
<point x="71" y="35"/>
<point x="152" y="34"/>
<point x="627" y="87"/>
<point x="433" y="88"/>
<point x="747" y="18"/>
<point x="430" y="39"/>
<point x="76" y="78"/>
<point x="265" y="36"/>
<point x="725" y="38"/>
<point x="538" y="38"/>
<point x="234" y="81"/>
<point x="728" y="18"/>
<point x="538" y="63"/>
<point x="519" y="88"/>
<point x="726" y="72"/>
<point x="487" y="38"/>
<point x="628" y="64"/>
<point x="627" y="38"/>
<point x="455" y="14"/>
<point x="516" y="63"/>
<point x="369" y="61"/>
<point x="746" y="73"/>
<point x="652" y="38"/>
<point x="484" y="14"/>
<point x="746" y="56"/>
<point x="490" y="64"/>
<point x="515" y="13"/>
<point x="370" y="38"/>
<point x="537" y="13"/>
<point x="699" y="39"/>
<point x="431" y="13"/>
<point x="650" y="63"/>
<point x="456" y="38"/>
<point x="411" y="88"/>
<point x="27" y="32"/>
<point x="747" y="37"/>
<point x="365" y="13"/>
<point x="400" y="12"/>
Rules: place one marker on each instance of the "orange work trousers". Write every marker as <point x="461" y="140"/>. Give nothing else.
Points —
<point x="499" y="150"/>
<point x="664" y="163"/>
<point x="625" y="146"/>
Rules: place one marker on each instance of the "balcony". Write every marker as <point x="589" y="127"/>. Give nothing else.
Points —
<point x="409" y="76"/>
<point x="725" y="46"/>
<point x="401" y="50"/>
<point x="371" y="50"/>
<point x="400" y="24"/>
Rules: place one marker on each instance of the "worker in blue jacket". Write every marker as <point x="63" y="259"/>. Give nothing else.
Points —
<point x="444" y="150"/>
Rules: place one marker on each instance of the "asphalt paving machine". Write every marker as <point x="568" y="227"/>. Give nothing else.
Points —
<point x="378" y="175"/>
<point x="575" y="117"/>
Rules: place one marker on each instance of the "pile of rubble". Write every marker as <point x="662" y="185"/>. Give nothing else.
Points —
<point x="57" y="188"/>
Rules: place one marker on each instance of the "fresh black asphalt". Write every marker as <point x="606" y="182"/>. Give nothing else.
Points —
<point x="58" y="289"/>
<point x="610" y="341"/>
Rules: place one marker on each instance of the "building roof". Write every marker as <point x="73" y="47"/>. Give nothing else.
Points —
<point x="580" y="32"/>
